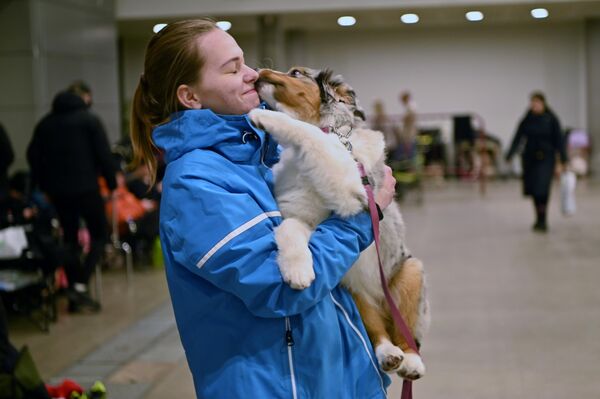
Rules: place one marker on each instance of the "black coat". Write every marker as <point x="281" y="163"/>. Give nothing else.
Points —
<point x="7" y="157"/>
<point x="69" y="149"/>
<point x="543" y="140"/>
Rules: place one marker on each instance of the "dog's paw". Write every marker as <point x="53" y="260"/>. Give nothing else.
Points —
<point x="298" y="277"/>
<point x="294" y="259"/>
<point x="353" y="202"/>
<point x="268" y="120"/>
<point x="389" y="356"/>
<point x="412" y="367"/>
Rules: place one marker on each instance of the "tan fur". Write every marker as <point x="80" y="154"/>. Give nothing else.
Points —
<point x="298" y="94"/>
<point x="406" y="286"/>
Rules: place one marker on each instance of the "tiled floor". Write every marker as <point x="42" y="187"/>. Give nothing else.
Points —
<point x="515" y="314"/>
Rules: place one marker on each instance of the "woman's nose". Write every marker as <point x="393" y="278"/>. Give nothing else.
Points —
<point x="251" y="75"/>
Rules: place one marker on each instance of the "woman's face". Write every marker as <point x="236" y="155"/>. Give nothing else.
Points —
<point x="226" y="83"/>
<point x="537" y="106"/>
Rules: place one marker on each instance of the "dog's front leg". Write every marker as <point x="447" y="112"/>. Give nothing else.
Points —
<point x="294" y="257"/>
<point x="286" y="130"/>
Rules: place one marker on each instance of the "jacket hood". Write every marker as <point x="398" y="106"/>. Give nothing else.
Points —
<point x="66" y="101"/>
<point x="203" y="129"/>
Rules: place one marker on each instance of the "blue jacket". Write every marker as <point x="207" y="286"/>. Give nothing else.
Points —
<point x="245" y="332"/>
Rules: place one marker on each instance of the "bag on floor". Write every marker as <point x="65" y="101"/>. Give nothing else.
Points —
<point x="12" y="242"/>
<point x="24" y="382"/>
<point x="568" y="181"/>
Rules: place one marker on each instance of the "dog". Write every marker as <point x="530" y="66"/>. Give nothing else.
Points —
<point x="317" y="174"/>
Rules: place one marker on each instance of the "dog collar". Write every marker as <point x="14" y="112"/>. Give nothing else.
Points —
<point x="343" y="137"/>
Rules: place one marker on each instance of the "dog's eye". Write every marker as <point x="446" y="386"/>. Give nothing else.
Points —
<point x="296" y="73"/>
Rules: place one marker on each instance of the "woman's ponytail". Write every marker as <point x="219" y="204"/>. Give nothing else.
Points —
<point x="172" y="58"/>
<point x="144" y="150"/>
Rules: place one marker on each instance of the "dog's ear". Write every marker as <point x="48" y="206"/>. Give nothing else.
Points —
<point x="347" y="95"/>
<point x="323" y="80"/>
<point x="360" y="113"/>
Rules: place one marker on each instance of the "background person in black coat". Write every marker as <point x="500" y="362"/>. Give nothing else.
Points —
<point x="7" y="157"/>
<point x="68" y="152"/>
<point x="540" y="130"/>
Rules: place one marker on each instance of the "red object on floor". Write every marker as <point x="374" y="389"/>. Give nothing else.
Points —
<point x="64" y="389"/>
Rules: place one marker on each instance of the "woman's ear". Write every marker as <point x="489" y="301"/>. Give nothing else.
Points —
<point x="188" y="97"/>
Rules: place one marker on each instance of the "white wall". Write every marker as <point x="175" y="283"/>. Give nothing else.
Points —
<point x="489" y="71"/>
<point x="484" y="70"/>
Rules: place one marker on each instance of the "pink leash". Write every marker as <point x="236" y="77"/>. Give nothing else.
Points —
<point x="398" y="320"/>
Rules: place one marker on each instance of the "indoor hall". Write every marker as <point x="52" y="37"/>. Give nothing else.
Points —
<point x="513" y="313"/>
<point x="513" y="304"/>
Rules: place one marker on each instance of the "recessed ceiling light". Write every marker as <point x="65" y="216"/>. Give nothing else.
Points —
<point x="346" y="20"/>
<point x="158" y="27"/>
<point x="224" y="25"/>
<point x="409" y="18"/>
<point x="539" y="13"/>
<point x="474" y="16"/>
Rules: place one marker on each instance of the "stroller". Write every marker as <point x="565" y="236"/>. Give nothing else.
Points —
<point x="29" y="256"/>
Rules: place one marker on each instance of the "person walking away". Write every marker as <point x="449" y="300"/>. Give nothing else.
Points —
<point x="7" y="157"/>
<point x="540" y="132"/>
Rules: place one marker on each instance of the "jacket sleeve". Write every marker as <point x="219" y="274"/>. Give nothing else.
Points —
<point x="102" y="153"/>
<point x="34" y="157"/>
<point x="7" y="155"/>
<point x="227" y="239"/>
<point x="516" y="142"/>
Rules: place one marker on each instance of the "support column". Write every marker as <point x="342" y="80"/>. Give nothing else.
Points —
<point x="593" y="90"/>
<point x="44" y="46"/>
<point x="271" y="52"/>
<point x="295" y="49"/>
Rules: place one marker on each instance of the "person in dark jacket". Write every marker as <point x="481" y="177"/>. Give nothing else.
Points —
<point x="540" y="131"/>
<point x="68" y="152"/>
<point x="7" y="157"/>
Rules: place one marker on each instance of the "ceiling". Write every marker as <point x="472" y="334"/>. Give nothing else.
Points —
<point x="387" y="18"/>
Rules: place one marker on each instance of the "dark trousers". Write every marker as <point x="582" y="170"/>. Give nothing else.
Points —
<point x="88" y="206"/>
<point x="8" y="353"/>
<point x="540" y="204"/>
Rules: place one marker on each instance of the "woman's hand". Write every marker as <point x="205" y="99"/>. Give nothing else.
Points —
<point x="559" y="169"/>
<point x="385" y="195"/>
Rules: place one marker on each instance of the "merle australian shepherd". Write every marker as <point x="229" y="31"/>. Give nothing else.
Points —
<point x="317" y="175"/>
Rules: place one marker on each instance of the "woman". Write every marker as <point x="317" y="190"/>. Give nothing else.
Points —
<point x="540" y="129"/>
<point x="245" y="332"/>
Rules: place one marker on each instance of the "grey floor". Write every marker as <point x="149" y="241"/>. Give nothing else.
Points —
<point x="515" y="314"/>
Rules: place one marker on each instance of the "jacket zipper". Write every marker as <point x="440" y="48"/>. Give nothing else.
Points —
<point x="289" y="341"/>
<point x="362" y="339"/>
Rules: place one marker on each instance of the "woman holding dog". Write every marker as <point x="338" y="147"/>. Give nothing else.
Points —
<point x="245" y="331"/>
<point x="540" y="130"/>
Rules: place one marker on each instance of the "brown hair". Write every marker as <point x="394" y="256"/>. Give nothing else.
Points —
<point x="79" y="87"/>
<point x="172" y="59"/>
<point x="538" y="95"/>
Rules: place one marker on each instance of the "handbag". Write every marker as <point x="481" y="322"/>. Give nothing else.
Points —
<point x="12" y="242"/>
<point x="568" y="181"/>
